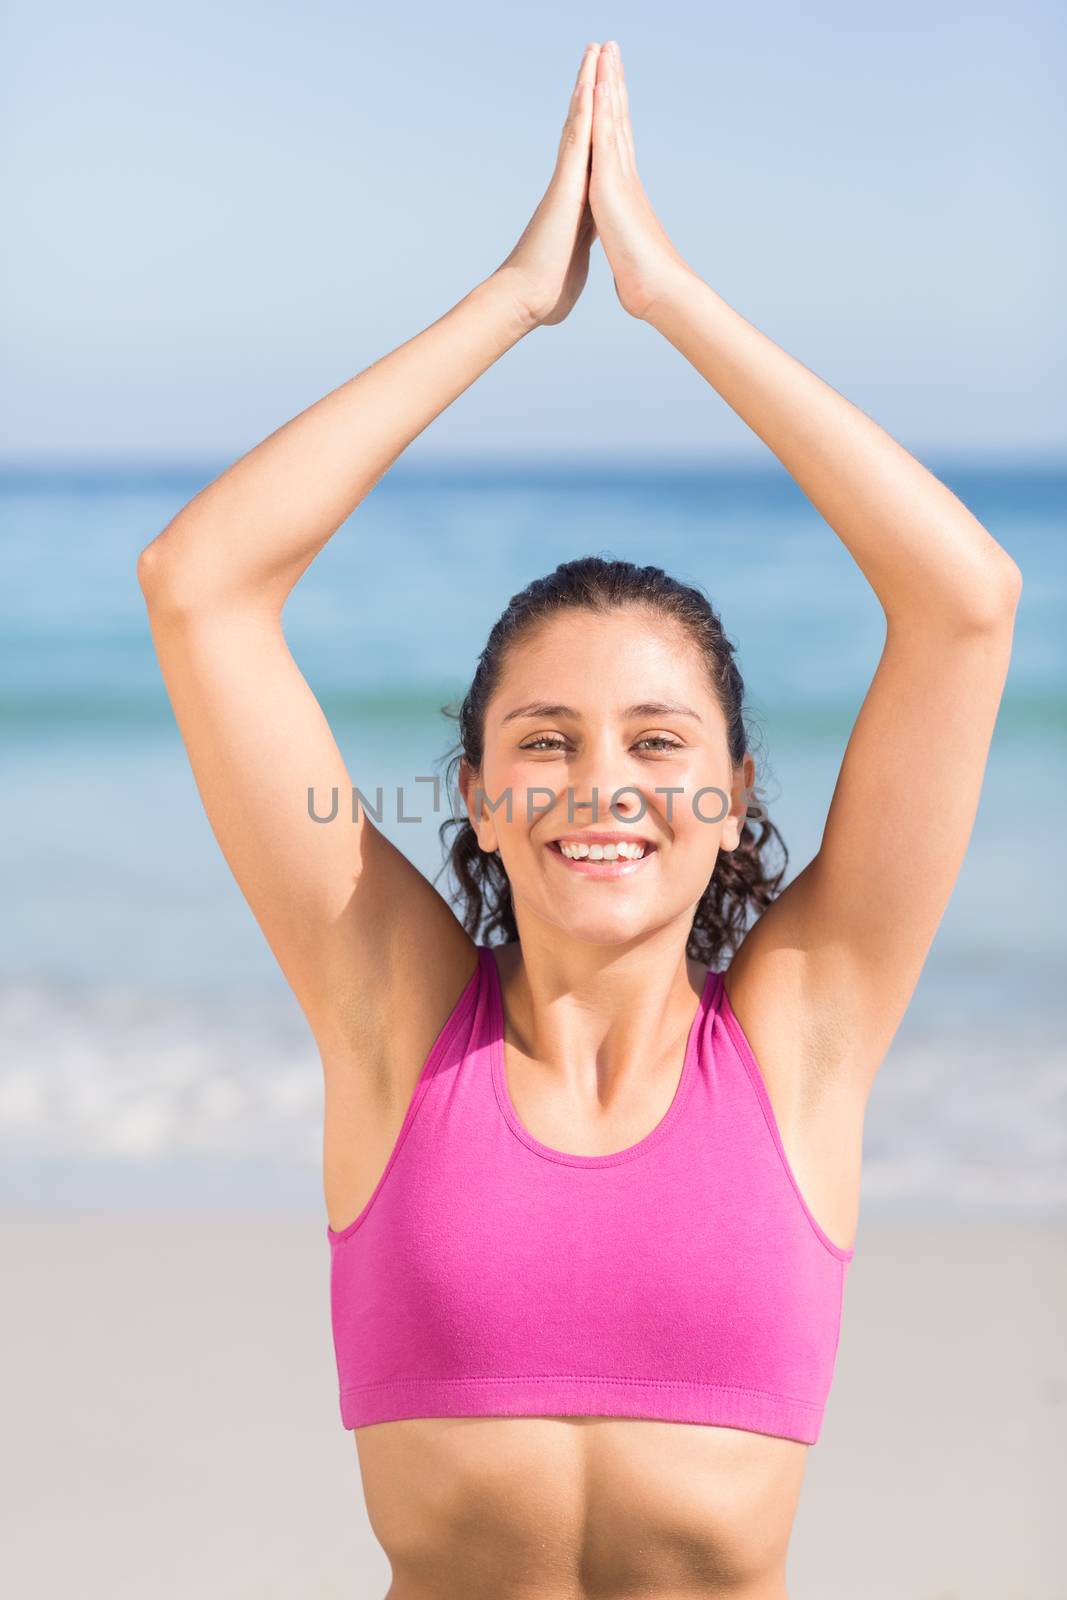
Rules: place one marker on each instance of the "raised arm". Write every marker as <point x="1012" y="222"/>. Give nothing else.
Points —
<point x="347" y="916"/>
<point x="843" y="946"/>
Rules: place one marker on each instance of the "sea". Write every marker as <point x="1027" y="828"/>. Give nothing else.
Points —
<point x="151" y="1054"/>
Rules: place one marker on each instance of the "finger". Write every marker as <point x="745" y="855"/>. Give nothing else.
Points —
<point x="588" y="111"/>
<point x="616" y="105"/>
<point x="588" y="62"/>
<point x="585" y="78"/>
<point x="624" y="105"/>
<point x="577" y="130"/>
<point x="605" y="143"/>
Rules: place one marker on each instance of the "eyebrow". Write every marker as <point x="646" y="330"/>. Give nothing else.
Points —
<point x="646" y="708"/>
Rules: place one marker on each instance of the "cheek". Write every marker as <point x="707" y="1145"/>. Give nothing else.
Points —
<point x="511" y="794"/>
<point x="697" y="806"/>
<point x="701" y="818"/>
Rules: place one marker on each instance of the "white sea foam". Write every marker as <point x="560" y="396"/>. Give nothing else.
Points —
<point x="128" y="1081"/>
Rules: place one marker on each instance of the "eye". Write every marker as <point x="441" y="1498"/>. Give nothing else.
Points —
<point x="659" y="740"/>
<point x="544" y="741"/>
<point x="548" y="741"/>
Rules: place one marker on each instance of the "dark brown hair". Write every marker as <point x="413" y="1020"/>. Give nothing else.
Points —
<point x="742" y="881"/>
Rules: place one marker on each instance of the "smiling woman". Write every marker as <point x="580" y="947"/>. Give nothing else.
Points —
<point x="670" y="768"/>
<point x="592" y="1147"/>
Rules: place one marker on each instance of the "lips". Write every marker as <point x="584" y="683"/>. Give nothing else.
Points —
<point x="622" y="867"/>
<point x="603" y="838"/>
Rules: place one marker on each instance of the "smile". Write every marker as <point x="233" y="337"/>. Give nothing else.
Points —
<point x="602" y="860"/>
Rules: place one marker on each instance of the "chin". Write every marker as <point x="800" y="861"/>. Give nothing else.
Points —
<point x="605" y="931"/>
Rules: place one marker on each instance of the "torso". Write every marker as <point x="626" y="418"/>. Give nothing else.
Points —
<point x="560" y="1508"/>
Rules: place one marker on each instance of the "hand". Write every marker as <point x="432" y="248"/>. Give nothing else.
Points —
<point x="549" y="265"/>
<point x="642" y="259"/>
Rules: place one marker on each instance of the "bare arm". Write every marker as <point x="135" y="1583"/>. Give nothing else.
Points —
<point x="848" y="937"/>
<point x="347" y="916"/>
<point x="935" y="569"/>
<point x="856" y="925"/>
<point x="337" y="902"/>
<point x="247" y="537"/>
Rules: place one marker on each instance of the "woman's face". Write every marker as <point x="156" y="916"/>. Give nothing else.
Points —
<point x="619" y="704"/>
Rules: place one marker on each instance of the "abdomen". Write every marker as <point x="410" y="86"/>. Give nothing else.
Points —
<point x="554" y="1508"/>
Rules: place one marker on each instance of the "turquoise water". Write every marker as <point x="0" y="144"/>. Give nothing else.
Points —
<point x="143" y="1023"/>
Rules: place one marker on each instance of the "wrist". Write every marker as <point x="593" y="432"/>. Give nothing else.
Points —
<point x="506" y="291"/>
<point x="677" y="284"/>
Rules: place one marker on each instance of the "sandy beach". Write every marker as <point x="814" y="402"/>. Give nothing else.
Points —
<point x="172" y="1425"/>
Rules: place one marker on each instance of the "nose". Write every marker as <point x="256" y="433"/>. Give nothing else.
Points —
<point x="594" y="784"/>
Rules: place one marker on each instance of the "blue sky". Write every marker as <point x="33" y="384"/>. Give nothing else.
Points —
<point x="218" y="213"/>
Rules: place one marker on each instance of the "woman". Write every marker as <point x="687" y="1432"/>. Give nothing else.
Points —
<point x="586" y="1329"/>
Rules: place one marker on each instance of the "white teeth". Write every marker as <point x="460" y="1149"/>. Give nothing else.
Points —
<point x="601" y="852"/>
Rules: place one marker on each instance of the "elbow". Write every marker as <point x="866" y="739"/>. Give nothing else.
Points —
<point x="985" y="604"/>
<point x="1013" y="583"/>
<point x="166" y="582"/>
<point x="148" y="565"/>
<point x="174" y="581"/>
<point x="991" y="601"/>
<point x="1001" y="593"/>
<point x="156" y="576"/>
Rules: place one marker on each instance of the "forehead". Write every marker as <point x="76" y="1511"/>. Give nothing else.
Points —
<point x="586" y="659"/>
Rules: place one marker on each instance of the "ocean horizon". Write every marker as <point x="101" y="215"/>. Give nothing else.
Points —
<point x="151" y="1049"/>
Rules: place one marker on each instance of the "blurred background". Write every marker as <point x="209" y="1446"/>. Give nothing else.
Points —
<point x="217" y="215"/>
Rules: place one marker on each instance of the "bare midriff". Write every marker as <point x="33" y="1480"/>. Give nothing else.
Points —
<point x="579" y="1508"/>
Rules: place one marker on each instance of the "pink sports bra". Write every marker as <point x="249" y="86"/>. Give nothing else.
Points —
<point x="682" y="1279"/>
